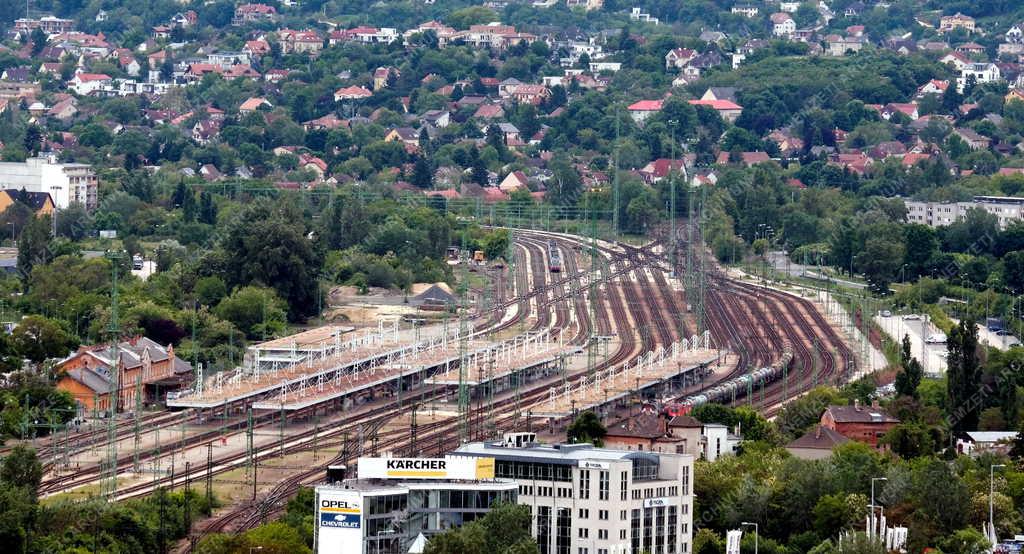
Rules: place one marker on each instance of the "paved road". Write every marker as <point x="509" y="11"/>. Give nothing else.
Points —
<point x="931" y="356"/>
<point x="148" y="268"/>
<point x="781" y="263"/>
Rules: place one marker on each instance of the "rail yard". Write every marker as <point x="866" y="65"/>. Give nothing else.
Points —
<point x="569" y="324"/>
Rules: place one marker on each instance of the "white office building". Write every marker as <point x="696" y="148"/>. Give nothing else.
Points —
<point x="587" y="500"/>
<point x="66" y="183"/>
<point x="396" y="503"/>
<point x="939" y="214"/>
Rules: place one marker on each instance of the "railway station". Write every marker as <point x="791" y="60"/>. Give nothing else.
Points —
<point x="658" y="373"/>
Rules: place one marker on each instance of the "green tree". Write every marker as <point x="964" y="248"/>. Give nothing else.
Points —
<point x="256" y="311"/>
<point x="21" y="468"/>
<point x="33" y="245"/>
<point x="422" y="174"/>
<point x="587" y="427"/>
<point x="909" y="377"/>
<point x="964" y="376"/>
<point x="267" y="244"/>
<point x="565" y="186"/>
<point x="38" y="338"/>
<point x="504" y="530"/>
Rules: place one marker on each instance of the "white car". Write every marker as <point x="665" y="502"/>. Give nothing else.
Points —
<point x="911" y="317"/>
<point x="937" y="338"/>
<point x="886" y="313"/>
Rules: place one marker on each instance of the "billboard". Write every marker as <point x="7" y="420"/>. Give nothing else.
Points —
<point x="339" y="517"/>
<point x="449" y="467"/>
<point x="732" y="541"/>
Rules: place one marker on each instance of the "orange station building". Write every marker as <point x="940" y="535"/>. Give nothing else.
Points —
<point x="142" y="364"/>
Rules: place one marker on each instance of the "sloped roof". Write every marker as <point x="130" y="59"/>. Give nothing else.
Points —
<point x="820" y="437"/>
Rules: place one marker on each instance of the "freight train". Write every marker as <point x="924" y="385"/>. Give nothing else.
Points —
<point x="725" y="392"/>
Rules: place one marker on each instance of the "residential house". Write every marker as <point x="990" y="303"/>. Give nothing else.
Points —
<point x="865" y="424"/>
<point x="951" y="23"/>
<point x="661" y="168"/>
<point x="41" y="203"/>
<point x="514" y="181"/>
<point x="530" y="94"/>
<point x="300" y="42"/>
<point x="977" y="443"/>
<point x="679" y="57"/>
<point x="782" y="25"/>
<point x="255" y="104"/>
<point x="312" y="163"/>
<point x="351" y="93"/>
<point x="708" y="441"/>
<point x="816" y="444"/>
<point x="325" y="123"/>
<point x="970" y="48"/>
<point x="141" y="364"/>
<point x="205" y="131"/>
<point x="489" y="111"/>
<point x="956" y="60"/>
<point x="64" y="110"/>
<point x="748" y="10"/>
<point x="745" y="158"/>
<point x="840" y="46"/>
<point x="256" y="48"/>
<point x="727" y="109"/>
<point x="1015" y="34"/>
<point x="383" y="75"/>
<point x="643" y="109"/>
<point x="437" y="118"/>
<point x="210" y="173"/>
<point x="87" y="83"/>
<point x="720" y="93"/>
<point x="892" y="108"/>
<point x="406" y="135"/>
<point x="934" y="86"/>
<point x="980" y="73"/>
<point x="972" y="138"/>
<point x="249" y="13"/>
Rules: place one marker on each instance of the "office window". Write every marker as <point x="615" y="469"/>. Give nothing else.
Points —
<point x="622" y="515"/>
<point x="603" y="484"/>
<point x="584" y="513"/>
<point x="584" y="484"/>
<point x="622" y="534"/>
<point x="624" y="485"/>
<point x="602" y="534"/>
<point x="584" y="533"/>
<point x="582" y="550"/>
<point x="602" y="515"/>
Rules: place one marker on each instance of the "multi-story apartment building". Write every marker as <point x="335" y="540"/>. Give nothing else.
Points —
<point x="937" y="214"/>
<point x="65" y="183"/>
<point x="587" y="500"/>
<point x="49" y="24"/>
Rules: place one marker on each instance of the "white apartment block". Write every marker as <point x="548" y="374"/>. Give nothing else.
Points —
<point x="937" y="214"/>
<point x="586" y="500"/>
<point x="66" y="183"/>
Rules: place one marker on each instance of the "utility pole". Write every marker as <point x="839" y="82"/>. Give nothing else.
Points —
<point x="672" y="204"/>
<point x="463" y="344"/>
<point x="615" y="180"/>
<point x="109" y="487"/>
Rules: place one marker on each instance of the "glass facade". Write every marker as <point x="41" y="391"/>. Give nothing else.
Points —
<point x="509" y="469"/>
<point x="392" y="521"/>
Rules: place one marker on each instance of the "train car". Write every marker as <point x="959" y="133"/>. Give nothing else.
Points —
<point x="673" y="410"/>
<point x="554" y="258"/>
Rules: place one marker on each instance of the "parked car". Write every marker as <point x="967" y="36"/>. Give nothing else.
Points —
<point x="911" y="317"/>
<point x="886" y="313"/>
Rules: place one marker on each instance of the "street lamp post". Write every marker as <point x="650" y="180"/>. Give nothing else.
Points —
<point x="754" y="525"/>
<point x="991" y="492"/>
